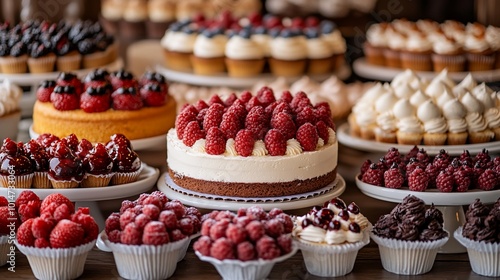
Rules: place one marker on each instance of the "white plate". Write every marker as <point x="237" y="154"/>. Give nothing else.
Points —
<point x="429" y="196"/>
<point x="146" y="180"/>
<point x="224" y="80"/>
<point x="151" y="143"/>
<point x="364" y="69"/>
<point x="347" y="139"/>
<point x="206" y="203"/>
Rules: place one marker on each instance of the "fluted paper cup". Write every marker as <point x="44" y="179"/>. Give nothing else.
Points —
<point x="4" y="249"/>
<point x="186" y="246"/>
<point x="484" y="257"/>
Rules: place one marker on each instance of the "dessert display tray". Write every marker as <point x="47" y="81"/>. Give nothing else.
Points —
<point x="167" y="186"/>
<point x="364" y="69"/>
<point x="345" y="138"/>
<point x="450" y="204"/>
<point x="137" y="144"/>
<point x="223" y="80"/>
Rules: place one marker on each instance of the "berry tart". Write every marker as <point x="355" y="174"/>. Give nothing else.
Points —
<point x="57" y="239"/>
<point x="217" y="147"/>
<point x="247" y="244"/>
<point x="330" y="237"/>
<point x="419" y="172"/>
<point x="104" y="104"/>
<point x="481" y="236"/>
<point x="409" y="237"/>
<point x="150" y="235"/>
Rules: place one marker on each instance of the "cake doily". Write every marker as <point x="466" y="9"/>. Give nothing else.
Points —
<point x="289" y="198"/>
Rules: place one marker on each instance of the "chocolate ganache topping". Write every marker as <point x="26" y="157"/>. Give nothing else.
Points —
<point x="482" y="223"/>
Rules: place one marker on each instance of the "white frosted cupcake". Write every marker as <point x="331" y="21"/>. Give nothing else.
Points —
<point x="244" y="56"/>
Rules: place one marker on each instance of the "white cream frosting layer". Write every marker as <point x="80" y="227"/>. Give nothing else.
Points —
<point x="179" y="41"/>
<point x="210" y="47"/>
<point x="186" y="161"/>
<point x="240" y="48"/>
<point x="10" y="96"/>
<point x="293" y="48"/>
<point x="318" y="48"/>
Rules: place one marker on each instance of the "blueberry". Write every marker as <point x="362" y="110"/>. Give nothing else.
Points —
<point x="175" y="27"/>
<point x="274" y="32"/>
<point x="245" y="33"/>
<point x="287" y="33"/>
<point x="188" y="30"/>
<point x="311" y="33"/>
<point x="327" y="27"/>
<point x="260" y="30"/>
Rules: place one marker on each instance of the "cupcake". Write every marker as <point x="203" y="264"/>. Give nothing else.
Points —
<point x="126" y="164"/>
<point x="148" y="243"/>
<point x="14" y="59"/>
<point x="98" y="167"/>
<point x="410" y="130"/>
<point x="330" y="237"/>
<point x="376" y="43"/>
<point x="447" y="54"/>
<point x="435" y="126"/>
<point x="10" y="113"/>
<point x="244" y="57"/>
<point x="288" y="53"/>
<point x="480" y="235"/>
<point x="61" y="251"/>
<point x="319" y="53"/>
<point x="417" y="53"/>
<point x="40" y="162"/>
<point x="112" y="14"/>
<point x="161" y="13"/>
<point x="476" y="124"/>
<point x="455" y="112"/>
<point x="68" y="57"/>
<point x="245" y="245"/>
<point x="65" y="169"/>
<point x="396" y="42"/>
<point x="209" y="52"/>
<point x="263" y="39"/>
<point x="480" y="56"/>
<point x="15" y="168"/>
<point x="42" y="59"/>
<point x="492" y="118"/>
<point x="177" y="45"/>
<point x="492" y="36"/>
<point x="133" y="24"/>
<point x="332" y="35"/>
<point x="386" y="128"/>
<point x="409" y="237"/>
<point x="187" y="9"/>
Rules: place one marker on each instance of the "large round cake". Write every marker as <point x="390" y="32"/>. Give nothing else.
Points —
<point x="253" y="146"/>
<point x="108" y="105"/>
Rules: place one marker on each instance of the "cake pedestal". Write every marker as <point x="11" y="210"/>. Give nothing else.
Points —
<point x="450" y="204"/>
<point x="88" y="197"/>
<point x="285" y="203"/>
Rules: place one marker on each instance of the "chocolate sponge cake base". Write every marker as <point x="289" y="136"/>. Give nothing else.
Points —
<point x="253" y="189"/>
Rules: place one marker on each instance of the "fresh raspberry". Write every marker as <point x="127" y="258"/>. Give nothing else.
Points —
<point x="69" y="79"/>
<point x="366" y="164"/>
<point x="236" y="233"/>
<point x="287" y="222"/>
<point x="141" y="199"/>
<point x="42" y="243"/>
<point x="211" y="215"/>
<point x="127" y="218"/>
<point x="274" y="228"/>
<point x="244" y="142"/>
<point x="44" y="91"/>
<point x="154" y="200"/>
<point x="273" y="213"/>
<point x="112" y="222"/>
<point x="155" y="234"/>
<point x="256" y="213"/>
<point x="66" y="234"/>
<point x="176" y="235"/>
<point x="423" y="157"/>
<point x="230" y="124"/>
<point x="218" y="230"/>
<point x="392" y="156"/>
<point x="41" y="228"/>
<point x="462" y="179"/>
<point x="29" y="210"/>
<point x="224" y="215"/>
<point x="230" y="99"/>
<point x="24" y="234"/>
<point x="284" y="243"/>
<point x="255" y="230"/>
<point x="282" y="107"/>
<point x="267" y="248"/>
<point x="323" y="132"/>
<point x="418" y="180"/>
<point x="306" y="115"/>
<point x="195" y="221"/>
<point x="222" y="249"/>
<point x="483" y="157"/>
<point x="71" y="141"/>
<point x="215" y="99"/>
<point x="3" y="201"/>
<point x="90" y="227"/>
<point x="476" y="172"/>
<point x="5" y="214"/>
<point x="393" y="177"/>
<point x="441" y="160"/>
<point x="286" y="97"/>
<point x="245" y="251"/>
<point x="496" y="161"/>
<point x="215" y="142"/>
<point x="432" y="171"/>
<point x="131" y="235"/>
<point x="322" y="112"/>
<point x="275" y="142"/>
<point x="127" y="99"/>
<point x="26" y="196"/>
<point x="115" y="236"/>
<point x="199" y="105"/>
<point x="488" y="180"/>
<point x="193" y="211"/>
<point x="95" y="100"/>
<point x="213" y="116"/>
<point x="269" y="109"/>
<point x="374" y="176"/>
<point x="177" y="207"/>
<point x="169" y="218"/>
<point x="182" y="121"/>
<point x="202" y="245"/>
<point x="256" y="121"/>
<point x="59" y="199"/>
<point x="163" y="198"/>
<point x="62" y="212"/>
<point x="205" y="227"/>
<point x="307" y="137"/>
<point x="246" y="96"/>
<point x="151" y="210"/>
<point x="49" y="210"/>
<point x="65" y="98"/>
<point x="300" y="97"/>
<point x="186" y="225"/>
<point x="126" y="204"/>
<point x="153" y="95"/>
<point x="411" y="154"/>
<point x="242" y="221"/>
<point x="253" y="102"/>
<point x="266" y="95"/>
<point x="445" y="181"/>
<point x="142" y="220"/>
<point x="241" y="212"/>
<point x="412" y="164"/>
<point x="284" y="123"/>
<point x="239" y="110"/>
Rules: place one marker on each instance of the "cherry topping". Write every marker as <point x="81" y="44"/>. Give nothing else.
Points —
<point x="337" y="202"/>
<point x="354" y="227"/>
<point x="334" y="225"/>
<point x="353" y="208"/>
<point x="97" y="161"/>
<point x="71" y="141"/>
<point x="325" y="215"/>
<point x="125" y="160"/>
<point x="83" y="148"/>
<point x="306" y="223"/>
<point x="315" y="209"/>
<point x="344" y="215"/>
<point x="9" y="147"/>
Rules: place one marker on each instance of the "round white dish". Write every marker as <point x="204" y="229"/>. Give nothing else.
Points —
<point x="154" y="142"/>
<point x="224" y="80"/>
<point x="347" y="139"/>
<point x="207" y="203"/>
<point x="147" y="179"/>
<point x="364" y="69"/>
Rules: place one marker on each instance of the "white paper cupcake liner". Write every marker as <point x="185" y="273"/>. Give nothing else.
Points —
<point x="331" y="260"/>
<point x="484" y="257"/>
<point x="146" y="261"/>
<point x="407" y="257"/>
<point x="53" y="264"/>
<point x="184" y="249"/>
<point x="125" y="177"/>
<point x="249" y="270"/>
<point x="4" y="249"/>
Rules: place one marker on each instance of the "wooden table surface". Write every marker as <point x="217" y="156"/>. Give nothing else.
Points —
<point x="100" y="265"/>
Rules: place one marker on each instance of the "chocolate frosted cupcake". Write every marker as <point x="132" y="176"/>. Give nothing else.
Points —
<point x="409" y="237"/>
<point x="15" y="60"/>
<point x="481" y="236"/>
<point x="42" y="59"/>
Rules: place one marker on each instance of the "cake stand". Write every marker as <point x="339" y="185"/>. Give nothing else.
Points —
<point x="223" y="80"/>
<point x="450" y="204"/>
<point x="364" y="69"/>
<point x="345" y="138"/>
<point x="285" y="203"/>
<point x="88" y="197"/>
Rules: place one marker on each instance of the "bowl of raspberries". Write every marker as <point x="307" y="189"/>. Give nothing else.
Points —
<point x="150" y="235"/>
<point x="245" y="245"/>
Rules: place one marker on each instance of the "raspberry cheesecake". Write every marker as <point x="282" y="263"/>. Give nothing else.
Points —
<point x="253" y="146"/>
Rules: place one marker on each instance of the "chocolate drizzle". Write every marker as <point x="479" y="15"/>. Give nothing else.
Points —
<point x="482" y="223"/>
